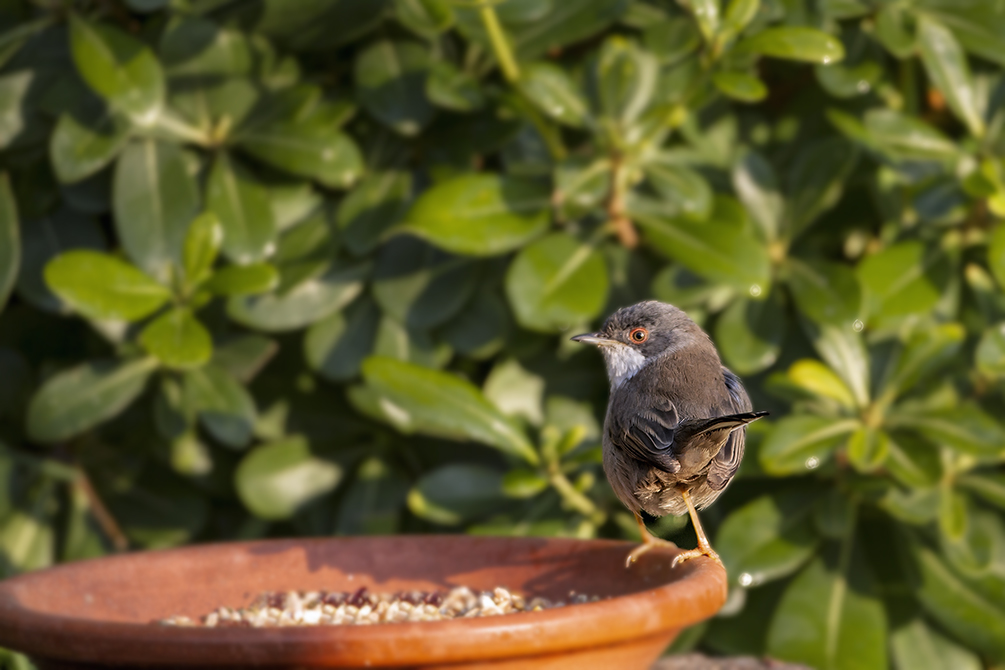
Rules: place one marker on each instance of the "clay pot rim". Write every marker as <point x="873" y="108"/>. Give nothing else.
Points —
<point x="698" y="592"/>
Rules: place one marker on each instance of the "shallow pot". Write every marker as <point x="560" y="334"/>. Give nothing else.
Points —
<point x="98" y="614"/>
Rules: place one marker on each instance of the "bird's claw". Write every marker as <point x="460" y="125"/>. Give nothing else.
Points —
<point x="644" y="547"/>
<point x="695" y="553"/>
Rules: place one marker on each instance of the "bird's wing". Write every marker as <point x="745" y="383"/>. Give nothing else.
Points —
<point x="727" y="461"/>
<point x="648" y="433"/>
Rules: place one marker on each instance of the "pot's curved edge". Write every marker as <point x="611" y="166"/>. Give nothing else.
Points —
<point x="697" y="594"/>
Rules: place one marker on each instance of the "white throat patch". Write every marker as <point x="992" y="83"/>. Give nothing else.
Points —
<point x="623" y="363"/>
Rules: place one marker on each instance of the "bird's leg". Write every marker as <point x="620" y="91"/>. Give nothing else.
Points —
<point x="648" y="542"/>
<point x="704" y="548"/>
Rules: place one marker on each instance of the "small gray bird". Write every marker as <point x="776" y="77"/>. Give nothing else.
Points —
<point x="674" y="432"/>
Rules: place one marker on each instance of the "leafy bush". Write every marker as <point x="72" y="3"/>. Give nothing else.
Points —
<point x="310" y="267"/>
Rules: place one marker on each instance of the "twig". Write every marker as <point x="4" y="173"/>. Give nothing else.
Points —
<point x="499" y="44"/>
<point x="617" y="217"/>
<point x="101" y="514"/>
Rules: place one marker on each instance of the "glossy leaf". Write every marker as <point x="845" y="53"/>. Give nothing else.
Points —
<point x="427" y="18"/>
<point x="901" y="279"/>
<point x="155" y="198"/>
<point x="178" y="340"/>
<point x="224" y="407"/>
<point x="301" y="305"/>
<point x="101" y="286"/>
<point x="967" y="428"/>
<point x="843" y="350"/>
<point x="238" y="280"/>
<point x="554" y="93"/>
<point x="448" y="87"/>
<point x="76" y="400"/>
<point x="391" y="81"/>
<point x="242" y="205"/>
<point x="336" y="345"/>
<point x="767" y="538"/>
<point x="801" y="443"/>
<point x="947" y="67"/>
<point x="906" y="137"/>
<point x="828" y="293"/>
<point x="276" y="480"/>
<point x="480" y="215"/>
<point x="830" y="619"/>
<point x="454" y="493"/>
<point x="202" y="244"/>
<point x="918" y="645"/>
<point x="10" y="240"/>
<point x="438" y="403"/>
<point x="308" y="148"/>
<point x="683" y="189"/>
<point x="818" y="379"/>
<point x="556" y="282"/>
<point x="990" y="355"/>
<point x="79" y="147"/>
<point x="795" y="43"/>
<point x="868" y="449"/>
<point x="749" y="333"/>
<point x="740" y="86"/>
<point x="624" y="80"/>
<point x="757" y="187"/>
<point x="374" y="207"/>
<point x="925" y="351"/>
<point x="118" y="67"/>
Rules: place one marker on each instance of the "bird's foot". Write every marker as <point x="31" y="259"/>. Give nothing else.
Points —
<point x="695" y="553"/>
<point x="648" y="543"/>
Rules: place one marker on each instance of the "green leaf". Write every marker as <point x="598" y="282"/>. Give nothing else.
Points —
<point x="829" y="618"/>
<point x="555" y="283"/>
<point x="795" y="43"/>
<point x="683" y="189"/>
<point x="395" y="340"/>
<point x="336" y="345"/>
<point x="552" y="91"/>
<point x="440" y="404"/>
<point x="10" y="240"/>
<point x="828" y="293"/>
<point x="996" y="254"/>
<point x="905" y="137"/>
<point x="738" y="15"/>
<point x="453" y="494"/>
<point x="913" y="461"/>
<point x="155" y="198"/>
<point x="84" y="144"/>
<point x="420" y="286"/>
<point x="801" y="443"/>
<point x="947" y="67"/>
<point x="390" y="78"/>
<point x="916" y="645"/>
<point x="237" y="280"/>
<point x="868" y="449"/>
<point x="756" y="185"/>
<point x="990" y="486"/>
<point x="178" y="340"/>
<point x="624" y="81"/>
<point x="722" y="249"/>
<point x="224" y="407"/>
<point x="119" y="68"/>
<point x="15" y="122"/>
<point x="202" y="244"/>
<point x="843" y="350"/>
<point x="481" y="214"/>
<point x="815" y="377"/>
<point x="902" y="279"/>
<point x="749" y="333"/>
<point x="706" y="15"/>
<point x="243" y="207"/>
<point x="309" y="148"/>
<point x="990" y="354"/>
<point x="376" y="205"/>
<point x="963" y="608"/>
<point x="277" y="480"/>
<point x="892" y="32"/>
<point x="965" y="427"/>
<point x="76" y="400"/>
<point x="816" y="180"/>
<point x="451" y="88"/>
<point x="767" y="538"/>
<point x="516" y="391"/>
<point x="523" y="483"/>
<point x="304" y="303"/>
<point x="740" y="86"/>
<point x="101" y="286"/>
<point x="926" y="351"/>
<point x="479" y="330"/>
<point x="426" y="18"/>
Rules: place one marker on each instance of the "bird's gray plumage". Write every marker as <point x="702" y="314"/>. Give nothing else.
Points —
<point x="676" y="416"/>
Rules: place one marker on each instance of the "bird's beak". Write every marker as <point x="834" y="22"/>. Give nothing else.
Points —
<point x="594" y="338"/>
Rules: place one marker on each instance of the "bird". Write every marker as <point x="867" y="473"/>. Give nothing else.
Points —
<point x="676" y="418"/>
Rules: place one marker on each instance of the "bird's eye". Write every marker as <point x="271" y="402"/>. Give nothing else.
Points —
<point x="638" y="335"/>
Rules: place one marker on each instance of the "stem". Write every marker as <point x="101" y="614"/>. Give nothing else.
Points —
<point x="617" y="218"/>
<point x="499" y="44"/>
<point x="101" y="514"/>
<point x="576" y="500"/>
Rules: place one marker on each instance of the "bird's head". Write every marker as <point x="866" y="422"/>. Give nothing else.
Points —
<point x="636" y="335"/>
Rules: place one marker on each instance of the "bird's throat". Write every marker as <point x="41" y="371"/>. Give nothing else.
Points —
<point x="623" y="363"/>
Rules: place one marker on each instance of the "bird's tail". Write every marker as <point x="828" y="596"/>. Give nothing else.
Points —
<point x="729" y="422"/>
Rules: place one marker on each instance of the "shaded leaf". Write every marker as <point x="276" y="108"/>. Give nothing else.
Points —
<point x="800" y="443"/>
<point x="682" y="188"/>
<point x="816" y="180"/>
<point x="10" y="240"/>
<point x="990" y="355"/>
<point x="624" y="81"/>
<point x="554" y="93"/>
<point x="83" y="397"/>
<point x="454" y="89"/>
<point x="916" y="645"/>
<point x="438" y="403"/>
<point x="749" y="333"/>
<point x="828" y="293"/>
<point x="427" y="18"/>
<point x="556" y="282"/>
<point x="277" y="480"/>
<point x="336" y="345"/>
<point x="242" y="205"/>
<point x="391" y="84"/>
<point x="453" y="494"/>
<point x="101" y="286"/>
<point x="480" y="214"/>
<point x="947" y="67"/>
<point x="79" y="147"/>
<point x="224" y="407"/>
<point x="965" y="427"/>
<point x="757" y="187"/>
<point x="902" y="279"/>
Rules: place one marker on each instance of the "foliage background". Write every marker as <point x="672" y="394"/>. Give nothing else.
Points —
<point x="260" y="257"/>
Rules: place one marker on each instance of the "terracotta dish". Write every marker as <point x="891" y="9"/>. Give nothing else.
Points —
<point x="97" y="614"/>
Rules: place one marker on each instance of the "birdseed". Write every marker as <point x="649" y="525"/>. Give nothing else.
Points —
<point x="362" y="608"/>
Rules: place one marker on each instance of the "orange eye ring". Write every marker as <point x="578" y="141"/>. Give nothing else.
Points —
<point x="638" y="335"/>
